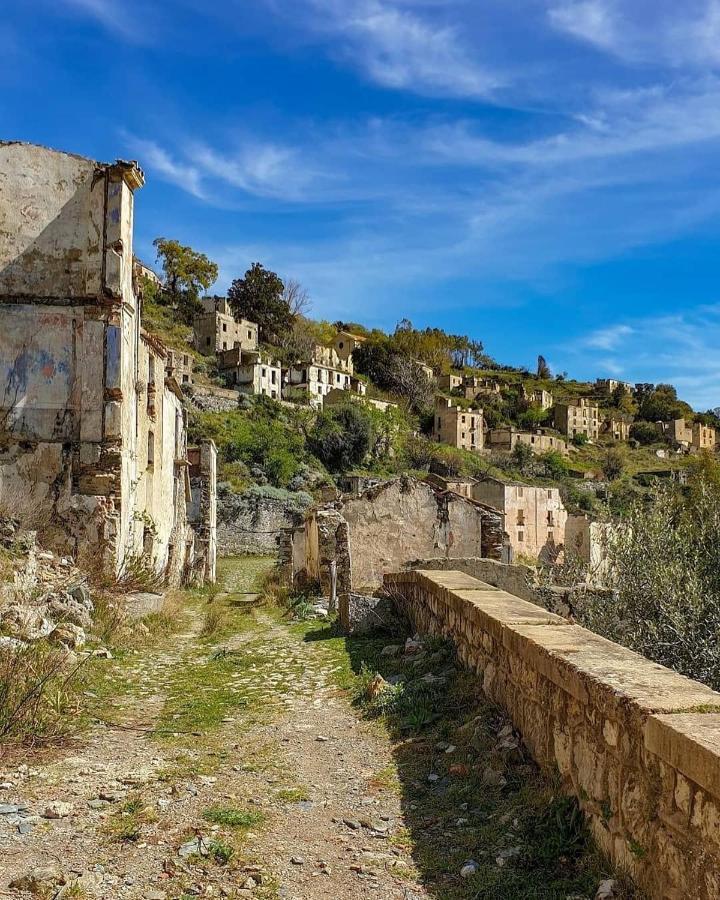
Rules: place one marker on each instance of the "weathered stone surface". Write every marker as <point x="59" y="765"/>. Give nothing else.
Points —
<point x="690" y="743"/>
<point x="256" y="520"/>
<point x="364" y="613"/>
<point x="94" y="451"/>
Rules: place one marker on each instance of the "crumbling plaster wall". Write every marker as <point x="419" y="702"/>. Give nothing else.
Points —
<point x="52" y="218"/>
<point x="407" y="519"/>
<point x="384" y="528"/>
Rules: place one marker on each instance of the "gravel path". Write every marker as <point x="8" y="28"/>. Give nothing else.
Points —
<point x="278" y="742"/>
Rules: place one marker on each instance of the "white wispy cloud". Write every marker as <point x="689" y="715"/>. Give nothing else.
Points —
<point x="156" y="159"/>
<point x="608" y="338"/>
<point x="598" y="22"/>
<point x="662" y="31"/>
<point x="398" y="45"/>
<point x="259" y="168"/>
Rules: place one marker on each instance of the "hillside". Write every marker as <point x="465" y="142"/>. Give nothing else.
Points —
<point x="296" y="447"/>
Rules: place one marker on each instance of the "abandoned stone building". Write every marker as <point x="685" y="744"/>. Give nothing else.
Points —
<point x="474" y="387"/>
<point x="216" y="328"/>
<point x="581" y="416"/>
<point x="607" y="386"/>
<point x="704" y="437"/>
<point x="534" y="518"/>
<point x="448" y="382"/>
<point x="179" y="365"/>
<point x="325" y="370"/>
<point x="689" y="436"/>
<point x="144" y="271"/>
<point x="457" y="426"/>
<point x="92" y="432"/>
<point x="345" y="343"/>
<point x="251" y="372"/>
<point x="540" y="440"/>
<point x="617" y="426"/>
<point x="386" y="526"/>
<point x="536" y="397"/>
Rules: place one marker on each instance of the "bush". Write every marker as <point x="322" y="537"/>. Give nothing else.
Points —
<point x="263" y="436"/>
<point x="522" y="456"/>
<point x="340" y="438"/>
<point x="554" y="463"/>
<point x="579" y="440"/>
<point x="41" y="693"/>
<point x="614" y="463"/>
<point x="664" y="564"/>
<point x="645" y="433"/>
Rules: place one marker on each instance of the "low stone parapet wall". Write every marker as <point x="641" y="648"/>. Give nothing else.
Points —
<point x="635" y="742"/>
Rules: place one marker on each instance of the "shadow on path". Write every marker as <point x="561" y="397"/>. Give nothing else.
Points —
<point x="482" y="822"/>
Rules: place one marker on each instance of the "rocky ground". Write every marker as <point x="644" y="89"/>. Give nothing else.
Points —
<point x="228" y="761"/>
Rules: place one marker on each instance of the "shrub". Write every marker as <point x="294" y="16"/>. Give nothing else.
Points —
<point x="614" y="463"/>
<point x="554" y="463"/>
<point x="645" y="433"/>
<point x="579" y="440"/>
<point x="340" y="438"/>
<point x="664" y="564"/>
<point x="262" y="436"/>
<point x="522" y="456"/>
<point x="40" y="695"/>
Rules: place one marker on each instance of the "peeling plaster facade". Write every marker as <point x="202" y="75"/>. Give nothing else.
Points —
<point x="534" y="517"/>
<point x="385" y="527"/>
<point x="92" y="434"/>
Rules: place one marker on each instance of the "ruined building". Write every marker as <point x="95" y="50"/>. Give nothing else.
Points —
<point x="574" y="417"/>
<point x="540" y="440"/>
<point x="216" y="328"/>
<point x="534" y="518"/>
<point x="251" y="372"/>
<point x="384" y="527"/>
<point x="93" y="447"/>
<point x="457" y="426"/>
<point x="328" y="368"/>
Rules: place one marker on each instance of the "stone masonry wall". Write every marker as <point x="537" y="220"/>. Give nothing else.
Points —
<point x="253" y="523"/>
<point x="638" y="744"/>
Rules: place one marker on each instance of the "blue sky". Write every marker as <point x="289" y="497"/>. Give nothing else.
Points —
<point x="542" y="174"/>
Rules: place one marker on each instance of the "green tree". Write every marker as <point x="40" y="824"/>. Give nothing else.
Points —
<point x="543" y="369"/>
<point x="533" y="416"/>
<point x="262" y="437"/>
<point x="555" y="464"/>
<point x="661" y="404"/>
<point x="645" y="433"/>
<point x="258" y="296"/>
<point x="522" y="456"/>
<point x="341" y="436"/>
<point x="624" y="401"/>
<point x="187" y="273"/>
<point x="664" y="567"/>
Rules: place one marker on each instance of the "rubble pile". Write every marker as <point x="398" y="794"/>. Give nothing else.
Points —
<point x="41" y="595"/>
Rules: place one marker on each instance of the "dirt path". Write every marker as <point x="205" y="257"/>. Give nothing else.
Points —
<point x="235" y="768"/>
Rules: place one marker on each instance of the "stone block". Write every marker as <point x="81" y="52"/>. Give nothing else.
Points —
<point x="113" y="420"/>
<point x="690" y="743"/>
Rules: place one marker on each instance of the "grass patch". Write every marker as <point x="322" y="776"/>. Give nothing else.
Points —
<point x="126" y="824"/>
<point x="292" y="795"/>
<point x="231" y="817"/>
